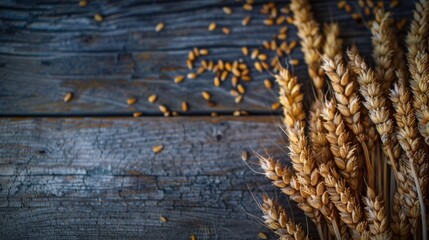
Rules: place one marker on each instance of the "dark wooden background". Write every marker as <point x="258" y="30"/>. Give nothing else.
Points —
<point x="85" y="169"/>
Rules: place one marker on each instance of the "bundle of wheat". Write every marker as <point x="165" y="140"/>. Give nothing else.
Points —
<point x="370" y="123"/>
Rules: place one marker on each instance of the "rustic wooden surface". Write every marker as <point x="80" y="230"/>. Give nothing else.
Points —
<point x="48" y="48"/>
<point x="82" y="170"/>
<point x="97" y="178"/>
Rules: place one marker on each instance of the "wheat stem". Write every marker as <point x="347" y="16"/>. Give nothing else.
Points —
<point x="421" y="200"/>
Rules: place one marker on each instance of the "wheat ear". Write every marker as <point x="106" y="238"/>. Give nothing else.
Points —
<point x="285" y="179"/>
<point x="344" y="200"/>
<point x="376" y="216"/>
<point x="290" y="98"/>
<point x="277" y="220"/>
<point x="341" y="145"/>
<point x="416" y="38"/>
<point x="299" y="151"/>
<point x="377" y="106"/>
<point x="320" y="144"/>
<point x="333" y="44"/>
<point x="400" y="226"/>
<point x="349" y="105"/>
<point x="311" y="40"/>
<point x="410" y="141"/>
<point x="420" y="89"/>
<point x="382" y="49"/>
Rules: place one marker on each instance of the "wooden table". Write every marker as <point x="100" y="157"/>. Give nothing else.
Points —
<point x="85" y="169"/>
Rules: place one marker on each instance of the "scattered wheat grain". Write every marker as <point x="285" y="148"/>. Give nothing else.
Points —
<point x="227" y="10"/>
<point x="212" y="26"/>
<point x="206" y="95"/>
<point x="246" y="21"/>
<point x="159" y="27"/>
<point x="192" y="75"/>
<point x="98" y="17"/>
<point x="152" y="98"/>
<point x="185" y="106"/>
<point x="131" y="101"/>
<point x="83" y="3"/>
<point x="179" y="79"/>
<point x="158" y="149"/>
<point x="68" y="97"/>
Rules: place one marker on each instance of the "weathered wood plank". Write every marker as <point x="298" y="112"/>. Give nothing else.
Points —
<point x="97" y="178"/>
<point x="49" y="48"/>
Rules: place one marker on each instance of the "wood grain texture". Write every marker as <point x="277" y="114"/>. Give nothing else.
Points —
<point x="97" y="178"/>
<point x="48" y="48"/>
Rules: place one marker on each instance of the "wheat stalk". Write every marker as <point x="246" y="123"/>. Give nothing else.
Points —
<point x="377" y="106"/>
<point x="344" y="200"/>
<point x="277" y="220"/>
<point x="411" y="143"/>
<point x="311" y="40"/>
<point x="348" y="104"/>
<point x="341" y="145"/>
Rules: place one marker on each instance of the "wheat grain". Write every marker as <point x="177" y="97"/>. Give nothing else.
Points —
<point x="212" y="26"/>
<point x="98" y="17"/>
<point x="192" y="75"/>
<point x="226" y="30"/>
<point x="68" y="97"/>
<point x="262" y="235"/>
<point x="268" y="84"/>
<point x="247" y="7"/>
<point x="83" y="3"/>
<point x="227" y="10"/>
<point x="179" y="79"/>
<point x="204" y="52"/>
<point x="158" y="148"/>
<point x="163" y="219"/>
<point x="277" y="220"/>
<point x="131" y="101"/>
<point x="246" y="21"/>
<point x="163" y="108"/>
<point x="185" y="106"/>
<point x="152" y="98"/>
<point x="159" y="27"/>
